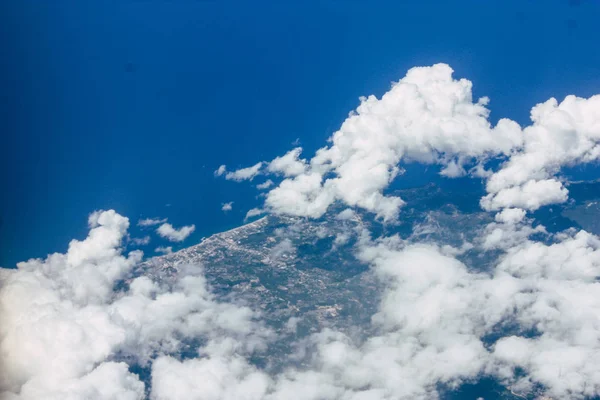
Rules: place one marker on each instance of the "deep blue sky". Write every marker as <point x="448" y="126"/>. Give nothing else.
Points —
<point x="132" y="104"/>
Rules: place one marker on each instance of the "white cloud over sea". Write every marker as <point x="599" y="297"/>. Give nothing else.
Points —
<point x="63" y="325"/>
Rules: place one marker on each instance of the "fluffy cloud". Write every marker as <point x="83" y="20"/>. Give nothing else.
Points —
<point x="553" y="290"/>
<point x="426" y="117"/>
<point x="56" y="334"/>
<point x="221" y="374"/>
<point x="64" y="327"/>
<point x="227" y="206"/>
<point x="561" y="135"/>
<point x="426" y="334"/>
<point x="289" y="164"/>
<point x="435" y="315"/>
<point x="107" y="381"/>
<point x="429" y="117"/>
<point x="244" y="173"/>
<point x="531" y="195"/>
<point x="167" y="231"/>
<point x="510" y="215"/>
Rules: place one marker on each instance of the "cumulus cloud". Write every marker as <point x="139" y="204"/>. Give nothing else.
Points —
<point x="553" y="290"/>
<point x="289" y="164"/>
<point x="56" y="334"/>
<point x="427" y="117"/>
<point x="435" y="315"/>
<point x="511" y="215"/>
<point x="244" y="173"/>
<point x="227" y="206"/>
<point x="562" y="134"/>
<point x="64" y="327"/>
<point x="531" y="195"/>
<point x="151" y="221"/>
<point x="430" y="117"/>
<point x="167" y="231"/>
<point x="217" y="375"/>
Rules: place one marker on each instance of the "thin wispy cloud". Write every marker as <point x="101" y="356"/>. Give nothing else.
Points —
<point x="151" y="221"/>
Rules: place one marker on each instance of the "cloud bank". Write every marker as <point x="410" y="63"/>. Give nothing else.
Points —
<point x="430" y="117"/>
<point x="64" y="327"/>
<point x="67" y="333"/>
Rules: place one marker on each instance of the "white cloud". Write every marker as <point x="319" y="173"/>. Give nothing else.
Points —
<point x="244" y="173"/>
<point x="431" y="118"/>
<point x="289" y="164"/>
<point x="167" y="231"/>
<point x="157" y="319"/>
<point x="510" y="215"/>
<point x="164" y="249"/>
<point x="531" y="195"/>
<point x="227" y="206"/>
<point x="435" y="313"/>
<point x="151" y="221"/>
<point x="301" y="196"/>
<point x="221" y="170"/>
<point x="429" y="327"/>
<point x="426" y="117"/>
<point x="265" y="185"/>
<point x="561" y="134"/>
<point x="64" y="328"/>
<point x="218" y="375"/>
<point x="425" y="334"/>
<point x="55" y="329"/>
<point x="109" y="380"/>
<point x="553" y="289"/>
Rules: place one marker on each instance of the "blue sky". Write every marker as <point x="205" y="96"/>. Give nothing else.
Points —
<point x="132" y="105"/>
